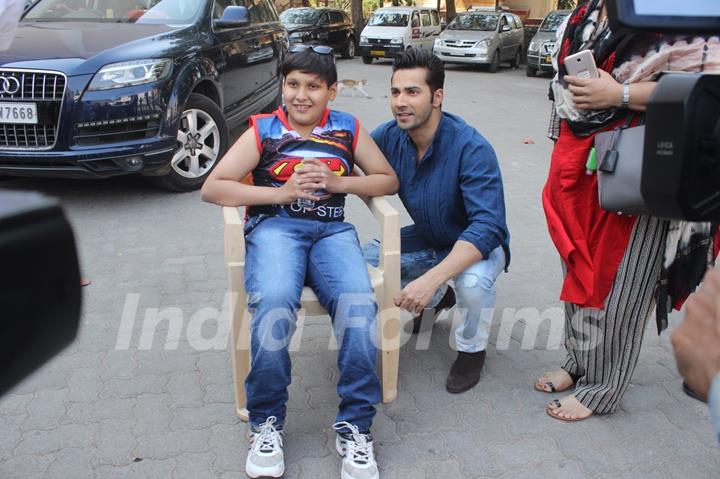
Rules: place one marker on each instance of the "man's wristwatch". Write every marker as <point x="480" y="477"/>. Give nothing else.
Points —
<point x="626" y="95"/>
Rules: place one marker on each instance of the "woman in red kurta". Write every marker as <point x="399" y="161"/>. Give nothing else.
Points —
<point x="612" y="262"/>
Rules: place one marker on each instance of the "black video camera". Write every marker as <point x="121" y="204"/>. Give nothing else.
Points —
<point x="681" y="164"/>
<point x="39" y="284"/>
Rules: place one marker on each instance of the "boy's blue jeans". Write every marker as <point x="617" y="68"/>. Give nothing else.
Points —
<point x="474" y="287"/>
<point x="282" y="255"/>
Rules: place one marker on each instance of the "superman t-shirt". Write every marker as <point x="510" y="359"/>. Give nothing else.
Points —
<point x="282" y="150"/>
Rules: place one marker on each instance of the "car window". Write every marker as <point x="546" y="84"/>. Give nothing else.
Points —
<point x="336" y="17"/>
<point x="435" y="18"/>
<point x="503" y="22"/>
<point x="415" y="19"/>
<point x="260" y="11"/>
<point x="474" y="21"/>
<point x="116" y="11"/>
<point x="552" y="22"/>
<point x="300" y="16"/>
<point x="426" y="22"/>
<point x="388" y="19"/>
<point x="346" y="18"/>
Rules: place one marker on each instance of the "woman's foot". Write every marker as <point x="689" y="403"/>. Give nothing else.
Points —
<point x="568" y="409"/>
<point x="555" y="382"/>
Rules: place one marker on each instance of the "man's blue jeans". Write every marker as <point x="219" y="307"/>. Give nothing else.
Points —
<point x="284" y="254"/>
<point x="474" y="287"/>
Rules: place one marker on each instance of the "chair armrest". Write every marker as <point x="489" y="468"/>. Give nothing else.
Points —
<point x="234" y="235"/>
<point x="389" y="220"/>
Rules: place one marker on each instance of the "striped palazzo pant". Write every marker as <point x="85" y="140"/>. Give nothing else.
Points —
<point x="603" y="345"/>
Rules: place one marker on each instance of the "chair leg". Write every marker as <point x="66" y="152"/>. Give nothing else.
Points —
<point x="390" y="351"/>
<point x="240" y="345"/>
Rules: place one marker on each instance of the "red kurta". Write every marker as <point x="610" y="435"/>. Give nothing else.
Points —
<point x="590" y="240"/>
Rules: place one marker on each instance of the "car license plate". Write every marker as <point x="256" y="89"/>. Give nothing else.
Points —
<point x="18" y="113"/>
<point x="456" y="54"/>
<point x="378" y="53"/>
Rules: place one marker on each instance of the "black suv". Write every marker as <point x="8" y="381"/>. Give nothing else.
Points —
<point x="110" y="87"/>
<point x="321" y="26"/>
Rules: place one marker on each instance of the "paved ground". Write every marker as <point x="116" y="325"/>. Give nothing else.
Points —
<point x="153" y="412"/>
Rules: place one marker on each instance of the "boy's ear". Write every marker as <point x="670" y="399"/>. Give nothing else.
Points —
<point x="333" y="91"/>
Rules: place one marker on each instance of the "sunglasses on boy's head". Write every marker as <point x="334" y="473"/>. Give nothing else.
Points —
<point x="319" y="49"/>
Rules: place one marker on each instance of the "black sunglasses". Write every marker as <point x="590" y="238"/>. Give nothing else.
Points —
<point x="319" y="49"/>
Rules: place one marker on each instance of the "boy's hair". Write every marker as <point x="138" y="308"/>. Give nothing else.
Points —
<point x="307" y="61"/>
<point x="415" y="58"/>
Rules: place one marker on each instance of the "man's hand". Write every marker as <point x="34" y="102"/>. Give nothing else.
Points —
<point x="595" y="93"/>
<point x="417" y="294"/>
<point x="697" y="340"/>
<point x="316" y="171"/>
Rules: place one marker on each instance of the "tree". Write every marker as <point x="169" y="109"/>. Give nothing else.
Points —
<point x="566" y="4"/>
<point x="449" y="10"/>
<point x="357" y="16"/>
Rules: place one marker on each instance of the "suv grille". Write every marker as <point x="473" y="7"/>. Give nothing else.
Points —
<point x="46" y="90"/>
<point x="460" y="43"/>
<point x="378" y="41"/>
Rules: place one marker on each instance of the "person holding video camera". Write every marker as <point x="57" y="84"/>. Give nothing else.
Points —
<point x="612" y="263"/>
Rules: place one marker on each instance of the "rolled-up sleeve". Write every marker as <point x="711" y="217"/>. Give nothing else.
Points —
<point x="714" y="404"/>
<point x="482" y="190"/>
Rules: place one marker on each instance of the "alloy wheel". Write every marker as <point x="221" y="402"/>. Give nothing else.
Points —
<point x="198" y="144"/>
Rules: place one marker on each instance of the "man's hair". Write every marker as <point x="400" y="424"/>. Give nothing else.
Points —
<point x="307" y="61"/>
<point x="415" y="58"/>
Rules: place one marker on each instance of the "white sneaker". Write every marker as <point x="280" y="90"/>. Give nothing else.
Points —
<point x="357" y="451"/>
<point x="265" y="453"/>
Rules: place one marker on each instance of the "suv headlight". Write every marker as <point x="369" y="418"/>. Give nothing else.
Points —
<point x="534" y="46"/>
<point x="438" y="42"/>
<point x="483" y="43"/>
<point x="363" y="39"/>
<point x="137" y="72"/>
<point x="396" y="41"/>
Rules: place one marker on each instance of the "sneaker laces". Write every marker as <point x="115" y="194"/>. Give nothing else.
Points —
<point x="267" y="439"/>
<point x="359" y="450"/>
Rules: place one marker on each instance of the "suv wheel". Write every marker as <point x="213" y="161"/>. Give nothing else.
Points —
<point x="201" y="141"/>
<point x="367" y="60"/>
<point x="495" y="64"/>
<point x="349" y="50"/>
<point x="518" y="59"/>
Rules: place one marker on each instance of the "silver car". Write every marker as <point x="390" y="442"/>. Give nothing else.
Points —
<point x="539" y="57"/>
<point x="482" y="38"/>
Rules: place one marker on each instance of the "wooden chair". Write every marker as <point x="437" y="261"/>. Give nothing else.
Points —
<point x="385" y="281"/>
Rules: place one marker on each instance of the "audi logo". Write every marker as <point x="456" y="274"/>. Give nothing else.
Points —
<point x="9" y="85"/>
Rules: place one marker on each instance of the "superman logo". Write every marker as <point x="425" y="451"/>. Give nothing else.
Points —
<point x="283" y="169"/>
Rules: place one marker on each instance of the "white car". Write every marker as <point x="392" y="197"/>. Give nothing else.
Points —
<point x="393" y="29"/>
<point x="482" y="38"/>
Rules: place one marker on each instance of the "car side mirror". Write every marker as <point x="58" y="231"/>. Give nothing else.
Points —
<point x="233" y="17"/>
<point x="505" y="28"/>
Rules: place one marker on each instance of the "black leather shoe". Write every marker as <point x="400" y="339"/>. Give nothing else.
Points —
<point x="447" y="302"/>
<point x="465" y="372"/>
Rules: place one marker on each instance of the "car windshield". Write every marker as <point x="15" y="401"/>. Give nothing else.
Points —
<point x="552" y="22"/>
<point x="300" y="17"/>
<point x="483" y="23"/>
<point x="118" y="11"/>
<point x="389" y="19"/>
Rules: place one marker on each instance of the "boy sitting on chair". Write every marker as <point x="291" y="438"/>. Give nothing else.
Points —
<point x="301" y="157"/>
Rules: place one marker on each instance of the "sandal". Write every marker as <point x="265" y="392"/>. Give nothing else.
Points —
<point x="551" y="412"/>
<point x="574" y="377"/>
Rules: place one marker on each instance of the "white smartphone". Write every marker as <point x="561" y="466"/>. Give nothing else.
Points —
<point x="582" y="64"/>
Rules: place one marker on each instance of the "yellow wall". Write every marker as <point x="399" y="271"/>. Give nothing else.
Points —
<point x="538" y="8"/>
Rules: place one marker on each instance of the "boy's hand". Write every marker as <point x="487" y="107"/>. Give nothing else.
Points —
<point x="317" y="172"/>
<point x="297" y="187"/>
